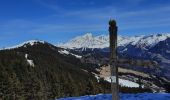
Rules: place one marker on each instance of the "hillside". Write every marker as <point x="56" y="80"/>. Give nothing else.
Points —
<point x="40" y="70"/>
<point x="37" y="70"/>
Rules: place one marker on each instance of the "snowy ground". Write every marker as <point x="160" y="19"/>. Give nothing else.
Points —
<point x="123" y="82"/>
<point x="142" y="96"/>
<point x="67" y="52"/>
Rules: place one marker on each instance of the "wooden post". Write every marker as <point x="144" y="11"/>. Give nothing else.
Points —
<point x="113" y="60"/>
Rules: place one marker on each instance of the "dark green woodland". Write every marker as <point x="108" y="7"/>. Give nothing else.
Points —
<point x="54" y="75"/>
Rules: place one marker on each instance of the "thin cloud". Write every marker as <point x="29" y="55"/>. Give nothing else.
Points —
<point x="92" y="20"/>
<point x="45" y="4"/>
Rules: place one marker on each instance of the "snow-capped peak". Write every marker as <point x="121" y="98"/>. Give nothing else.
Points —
<point x="88" y="35"/>
<point x="152" y="40"/>
<point x="87" y="41"/>
<point x="30" y="42"/>
<point x="102" y="41"/>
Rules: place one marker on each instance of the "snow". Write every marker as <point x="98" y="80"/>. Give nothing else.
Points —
<point x="64" y="52"/>
<point x="77" y="56"/>
<point x="124" y="83"/>
<point x="30" y="62"/>
<point x="87" y="41"/>
<point x="140" y="96"/>
<point x="127" y="83"/>
<point x="30" y="42"/>
<point x="102" y="41"/>
<point x="67" y="53"/>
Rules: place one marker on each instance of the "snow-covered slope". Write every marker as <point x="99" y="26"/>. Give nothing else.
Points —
<point x="124" y="83"/>
<point x="142" y="96"/>
<point x="102" y="41"/>
<point x="67" y="53"/>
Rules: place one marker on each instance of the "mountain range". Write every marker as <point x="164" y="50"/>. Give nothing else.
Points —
<point x="102" y="41"/>
<point x="38" y="69"/>
<point x="154" y="47"/>
<point x="146" y="54"/>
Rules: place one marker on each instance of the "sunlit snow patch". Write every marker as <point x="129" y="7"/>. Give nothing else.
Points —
<point x="30" y="62"/>
<point x="125" y="83"/>
<point x="67" y="53"/>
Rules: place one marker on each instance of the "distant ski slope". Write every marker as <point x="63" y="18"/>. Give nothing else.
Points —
<point x="142" y="96"/>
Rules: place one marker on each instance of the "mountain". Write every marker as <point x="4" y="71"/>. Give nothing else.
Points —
<point x="87" y="41"/>
<point x="162" y="48"/>
<point x="24" y="44"/>
<point x="139" y="56"/>
<point x="137" y="47"/>
<point x="102" y="41"/>
<point x="39" y="70"/>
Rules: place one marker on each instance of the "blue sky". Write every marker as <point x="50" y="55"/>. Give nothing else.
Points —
<point x="60" y="20"/>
